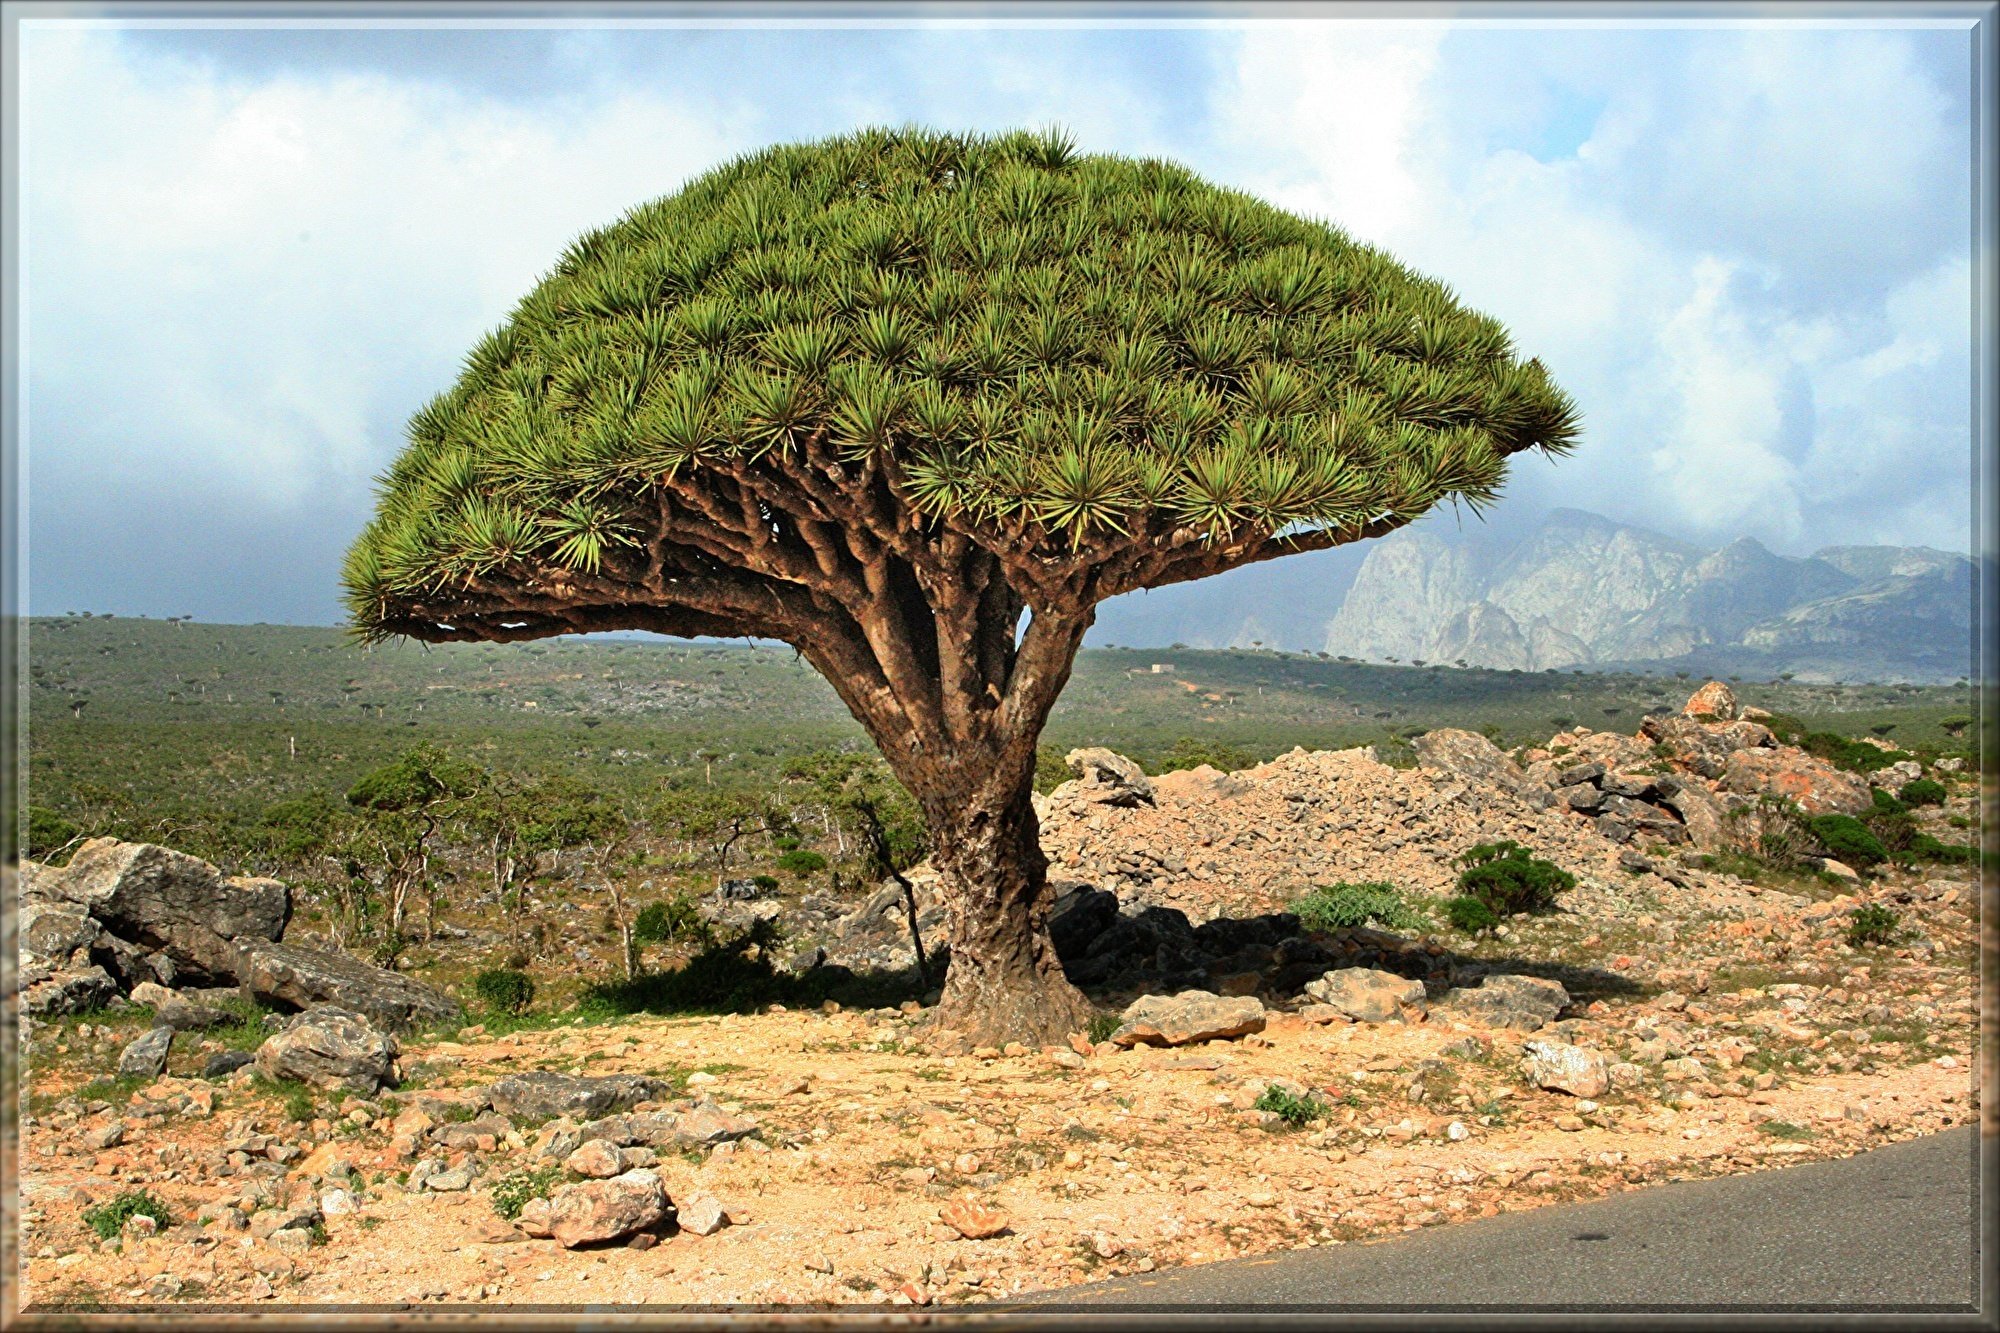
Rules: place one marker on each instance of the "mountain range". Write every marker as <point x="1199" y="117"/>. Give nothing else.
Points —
<point x="1578" y="589"/>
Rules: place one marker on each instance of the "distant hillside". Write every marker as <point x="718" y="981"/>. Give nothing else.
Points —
<point x="1583" y="590"/>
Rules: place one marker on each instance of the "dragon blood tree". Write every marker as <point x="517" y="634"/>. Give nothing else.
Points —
<point x="915" y="403"/>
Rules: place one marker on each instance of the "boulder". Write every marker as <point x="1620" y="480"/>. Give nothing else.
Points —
<point x="1701" y="813"/>
<point x="1713" y="700"/>
<point x="286" y="974"/>
<point x="1522" y="1004"/>
<point x="1467" y="754"/>
<point x="55" y="932"/>
<point x="597" y="1159"/>
<point x="1195" y="1015"/>
<point x="706" y="1124"/>
<point x="1558" y="1067"/>
<point x="1705" y="747"/>
<point x="170" y="901"/>
<point x="1817" y="787"/>
<point x="186" y="1016"/>
<point x="224" y="1063"/>
<point x="1896" y="775"/>
<point x="50" y="993"/>
<point x="1367" y="994"/>
<point x="1078" y="918"/>
<point x="147" y="1057"/>
<point x="329" y="1047"/>
<point x="543" y="1094"/>
<point x="1107" y="778"/>
<point x="600" y="1210"/>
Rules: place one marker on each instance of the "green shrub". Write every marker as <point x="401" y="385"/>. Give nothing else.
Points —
<point x="511" y="1193"/>
<point x="47" y="831"/>
<point x="765" y="882"/>
<point x="668" y="920"/>
<point x="1505" y="877"/>
<point x="1102" y="1026"/>
<point x="1291" y="1108"/>
<point x="801" y="862"/>
<point x="1873" y="924"/>
<point x="1188" y="752"/>
<point x="1050" y="770"/>
<point x="1923" y="791"/>
<point x="108" y="1219"/>
<point x="299" y="1104"/>
<point x="1848" y="840"/>
<point x="1469" y="915"/>
<point x="1329" y="907"/>
<point x="505" y="989"/>
<point x="1924" y="847"/>
<point x="1854" y="756"/>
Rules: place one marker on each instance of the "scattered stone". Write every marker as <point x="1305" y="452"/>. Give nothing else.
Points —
<point x="1195" y="1015"/>
<point x="329" y="1048"/>
<point x="1523" y="1004"/>
<point x="703" y="1215"/>
<point x="146" y="1057"/>
<point x="597" y="1159"/>
<point x="974" y="1221"/>
<point x="600" y="1210"/>
<point x="1106" y="778"/>
<point x="1367" y="994"/>
<point x="1559" y="1067"/>
<point x="543" y="1093"/>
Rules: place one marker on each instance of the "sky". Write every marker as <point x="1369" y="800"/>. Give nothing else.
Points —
<point x="250" y="253"/>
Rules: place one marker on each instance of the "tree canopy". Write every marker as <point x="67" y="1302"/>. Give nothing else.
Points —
<point x="1106" y="373"/>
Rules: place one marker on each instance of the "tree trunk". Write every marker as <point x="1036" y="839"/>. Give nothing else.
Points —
<point x="1004" y="982"/>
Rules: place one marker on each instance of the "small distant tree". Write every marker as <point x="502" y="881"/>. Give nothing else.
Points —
<point x="916" y="404"/>
<point x="714" y="821"/>
<point x="406" y="803"/>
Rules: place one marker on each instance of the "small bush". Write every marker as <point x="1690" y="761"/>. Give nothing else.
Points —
<point x="1873" y="924"/>
<point x="1331" y="907"/>
<point x="511" y="1193"/>
<point x="668" y="920"/>
<point x="1293" y="1109"/>
<point x="47" y="831"/>
<point x="1847" y="839"/>
<point x="1188" y="752"/>
<point x="505" y="989"/>
<point x="1505" y="877"/>
<point x="299" y="1104"/>
<point x="1786" y="1130"/>
<point x="1923" y="791"/>
<point x="801" y="862"/>
<point x="765" y="882"/>
<point x="108" y="1219"/>
<point x="1854" y="756"/>
<point x="1102" y="1026"/>
<point x="1469" y="915"/>
<point x="1924" y="847"/>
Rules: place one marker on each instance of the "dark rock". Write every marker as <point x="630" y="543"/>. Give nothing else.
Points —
<point x="740" y="889"/>
<point x="183" y="1016"/>
<point x="170" y="901"/>
<point x="1577" y="773"/>
<point x="289" y="975"/>
<point x="49" y="993"/>
<point x="1635" y="786"/>
<point x="544" y="1093"/>
<point x="224" y="1063"/>
<point x="1583" y="798"/>
<point x="146" y="1057"/>
<point x="1078" y="918"/>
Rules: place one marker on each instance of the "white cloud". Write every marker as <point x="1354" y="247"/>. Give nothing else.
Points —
<point x="246" y="282"/>
<point x="1713" y="274"/>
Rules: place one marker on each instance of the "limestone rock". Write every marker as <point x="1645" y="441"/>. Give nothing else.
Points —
<point x="1522" y="1004"/>
<point x="1367" y="994"/>
<point x="703" y="1215"/>
<point x="596" y="1159"/>
<point x="169" y="900"/>
<point x="542" y="1094"/>
<point x="1560" y="1067"/>
<point x="599" y="1210"/>
<point x="289" y="975"/>
<point x="1468" y="754"/>
<point x="1715" y="700"/>
<point x="146" y="1057"/>
<point x="1818" y="787"/>
<point x="1107" y="778"/>
<point x="972" y="1220"/>
<point x="1195" y="1015"/>
<point x="329" y="1047"/>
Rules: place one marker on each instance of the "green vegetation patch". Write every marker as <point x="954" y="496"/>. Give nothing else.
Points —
<point x="108" y="1219"/>
<point x="1329" y="907"/>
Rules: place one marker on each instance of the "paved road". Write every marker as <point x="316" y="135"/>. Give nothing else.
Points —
<point x="1892" y="1227"/>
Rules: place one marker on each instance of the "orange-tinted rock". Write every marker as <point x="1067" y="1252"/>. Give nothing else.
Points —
<point x="1816" y="786"/>
<point x="1714" y="700"/>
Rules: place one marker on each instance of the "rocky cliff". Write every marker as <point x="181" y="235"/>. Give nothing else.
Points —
<point x="1583" y="590"/>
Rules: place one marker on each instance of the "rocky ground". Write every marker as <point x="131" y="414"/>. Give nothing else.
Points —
<point x="1314" y="1088"/>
